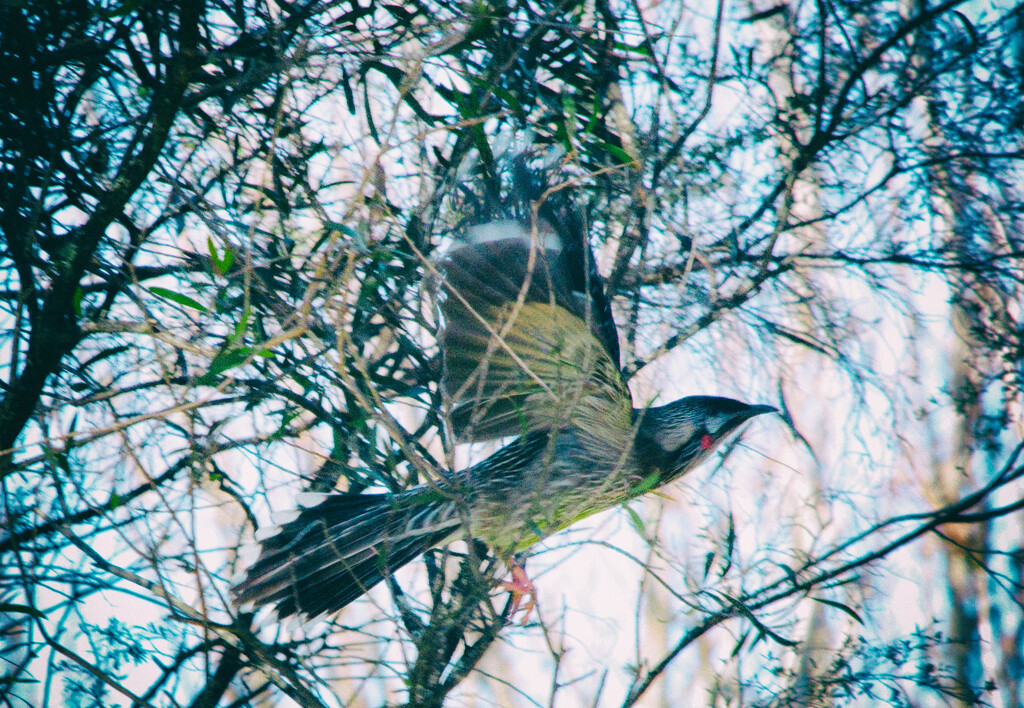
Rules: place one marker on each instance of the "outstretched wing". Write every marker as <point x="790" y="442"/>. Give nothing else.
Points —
<point x="523" y="349"/>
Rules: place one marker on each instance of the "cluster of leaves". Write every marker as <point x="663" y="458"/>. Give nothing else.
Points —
<point x="863" y="672"/>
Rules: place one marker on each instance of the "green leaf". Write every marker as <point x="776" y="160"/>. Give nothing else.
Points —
<point x="178" y="298"/>
<point x="23" y="609"/>
<point x="229" y="359"/>
<point x="761" y="628"/>
<point x="241" y="327"/>
<point x="641" y="49"/>
<point x="840" y="606"/>
<point x="221" y="264"/>
<point x="739" y="644"/>
<point x="619" y="154"/>
<point x="730" y="546"/>
<point x="635" y="519"/>
<point x="227" y="261"/>
<point x="504" y="95"/>
<point x="566" y="131"/>
<point x="595" y="113"/>
<point x="646" y="484"/>
<point x="709" y="558"/>
<point x="568" y="107"/>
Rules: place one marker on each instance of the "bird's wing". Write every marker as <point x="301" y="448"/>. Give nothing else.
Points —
<point x="577" y="265"/>
<point x="523" y="351"/>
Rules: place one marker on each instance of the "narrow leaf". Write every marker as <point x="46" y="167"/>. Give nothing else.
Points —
<point x="840" y="606"/>
<point x="709" y="558"/>
<point x="619" y="154"/>
<point x="177" y="298"/>
<point x="635" y="519"/>
<point x="10" y="607"/>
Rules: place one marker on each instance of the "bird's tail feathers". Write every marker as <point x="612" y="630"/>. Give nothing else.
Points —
<point x="335" y="551"/>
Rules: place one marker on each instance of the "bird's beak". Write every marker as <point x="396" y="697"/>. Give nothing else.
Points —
<point x="760" y="409"/>
<point x="743" y="416"/>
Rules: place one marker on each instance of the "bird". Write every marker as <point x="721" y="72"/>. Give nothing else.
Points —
<point x="530" y="352"/>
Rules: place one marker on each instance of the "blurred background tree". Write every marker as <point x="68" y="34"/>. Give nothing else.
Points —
<point x="217" y="218"/>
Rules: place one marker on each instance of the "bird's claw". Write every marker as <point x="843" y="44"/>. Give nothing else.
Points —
<point x="520" y="586"/>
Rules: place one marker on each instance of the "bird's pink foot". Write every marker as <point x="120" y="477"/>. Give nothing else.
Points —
<point x="521" y="588"/>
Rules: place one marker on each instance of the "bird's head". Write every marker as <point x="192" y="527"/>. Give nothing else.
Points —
<point x="681" y="435"/>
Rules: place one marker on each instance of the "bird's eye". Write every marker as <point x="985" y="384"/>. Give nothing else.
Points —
<point x="706" y="441"/>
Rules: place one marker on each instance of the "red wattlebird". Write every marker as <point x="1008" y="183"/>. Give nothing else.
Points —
<point x="530" y="350"/>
